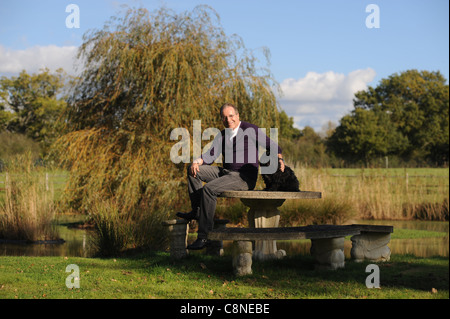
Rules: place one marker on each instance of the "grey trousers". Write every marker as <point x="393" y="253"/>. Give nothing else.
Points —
<point x="204" y="198"/>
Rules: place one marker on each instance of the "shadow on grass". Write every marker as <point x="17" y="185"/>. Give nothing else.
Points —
<point x="296" y="275"/>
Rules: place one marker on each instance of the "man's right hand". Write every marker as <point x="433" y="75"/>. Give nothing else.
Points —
<point x="194" y="169"/>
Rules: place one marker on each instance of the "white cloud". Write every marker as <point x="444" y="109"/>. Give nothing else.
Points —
<point x="321" y="97"/>
<point x="34" y="58"/>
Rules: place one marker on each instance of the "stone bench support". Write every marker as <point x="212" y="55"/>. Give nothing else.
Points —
<point x="242" y="251"/>
<point x="178" y="234"/>
<point x="328" y="252"/>
<point x="327" y="243"/>
<point x="263" y="213"/>
<point x="371" y="243"/>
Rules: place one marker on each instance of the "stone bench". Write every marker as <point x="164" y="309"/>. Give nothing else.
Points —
<point x="369" y="242"/>
<point x="327" y="243"/>
<point x="263" y="212"/>
<point x="178" y="234"/>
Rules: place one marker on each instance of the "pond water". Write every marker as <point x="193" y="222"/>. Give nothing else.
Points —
<point x="75" y="245"/>
<point x="77" y="241"/>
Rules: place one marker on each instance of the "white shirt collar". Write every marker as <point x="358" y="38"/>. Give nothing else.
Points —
<point x="235" y="131"/>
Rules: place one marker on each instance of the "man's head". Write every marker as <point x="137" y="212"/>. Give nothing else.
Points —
<point x="229" y="115"/>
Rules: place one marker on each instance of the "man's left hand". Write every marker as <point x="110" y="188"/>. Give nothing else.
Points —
<point x="281" y="161"/>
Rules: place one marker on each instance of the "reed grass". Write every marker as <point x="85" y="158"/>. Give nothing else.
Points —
<point x="111" y="233"/>
<point x="382" y="193"/>
<point x="349" y="194"/>
<point x="117" y="230"/>
<point x="27" y="210"/>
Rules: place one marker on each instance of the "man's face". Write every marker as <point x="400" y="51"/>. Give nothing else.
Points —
<point x="230" y="118"/>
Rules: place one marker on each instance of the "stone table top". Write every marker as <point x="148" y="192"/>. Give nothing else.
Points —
<point x="271" y="195"/>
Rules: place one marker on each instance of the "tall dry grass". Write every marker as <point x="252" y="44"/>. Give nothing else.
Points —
<point x="116" y="229"/>
<point x="379" y="194"/>
<point x="28" y="208"/>
<point x="350" y="194"/>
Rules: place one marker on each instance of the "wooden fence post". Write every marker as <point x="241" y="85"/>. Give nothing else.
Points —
<point x="407" y="181"/>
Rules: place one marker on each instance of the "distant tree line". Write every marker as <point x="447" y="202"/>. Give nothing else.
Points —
<point x="30" y="112"/>
<point x="404" y="119"/>
<point x="405" y="116"/>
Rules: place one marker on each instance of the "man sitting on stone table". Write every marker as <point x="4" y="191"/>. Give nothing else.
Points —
<point x="238" y="143"/>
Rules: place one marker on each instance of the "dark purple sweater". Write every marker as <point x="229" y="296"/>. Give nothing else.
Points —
<point x="241" y="153"/>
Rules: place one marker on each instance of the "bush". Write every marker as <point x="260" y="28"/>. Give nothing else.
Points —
<point x="328" y="210"/>
<point x="111" y="234"/>
<point x="428" y="211"/>
<point x="12" y="145"/>
<point x="117" y="229"/>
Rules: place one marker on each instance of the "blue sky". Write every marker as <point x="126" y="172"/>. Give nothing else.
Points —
<point x="322" y="52"/>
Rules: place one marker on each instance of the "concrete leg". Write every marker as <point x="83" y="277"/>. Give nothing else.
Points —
<point x="178" y="233"/>
<point x="264" y="213"/>
<point x="328" y="253"/>
<point x="242" y="257"/>
<point x="371" y="246"/>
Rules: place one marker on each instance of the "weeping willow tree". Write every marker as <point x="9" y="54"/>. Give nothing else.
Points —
<point x="144" y="75"/>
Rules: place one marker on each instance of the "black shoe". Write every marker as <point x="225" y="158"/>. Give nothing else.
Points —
<point x="188" y="216"/>
<point x="200" y="243"/>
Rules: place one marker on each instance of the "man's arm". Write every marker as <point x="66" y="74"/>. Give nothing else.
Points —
<point x="209" y="156"/>
<point x="195" y="166"/>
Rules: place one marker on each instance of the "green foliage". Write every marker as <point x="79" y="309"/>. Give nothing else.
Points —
<point x="307" y="149"/>
<point x="5" y="117"/>
<point x="13" y="145"/>
<point x="32" y="104"/>
<point x="405" y="115"/>
<point x="365" y="135"/>
<point x="287" y="129"/>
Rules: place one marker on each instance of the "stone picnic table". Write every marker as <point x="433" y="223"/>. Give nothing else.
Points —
<point x="264" y="213"/>
<point x="369" y="242"/>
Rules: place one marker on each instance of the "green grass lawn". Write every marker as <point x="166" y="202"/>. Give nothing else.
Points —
<point x="155" y="275"/>
<point x="400" y="233"/>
